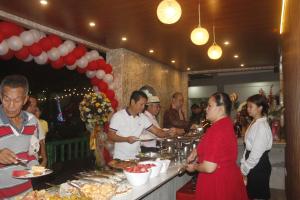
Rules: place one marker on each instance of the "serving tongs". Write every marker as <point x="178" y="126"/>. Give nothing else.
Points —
<point x="22" y="162"/>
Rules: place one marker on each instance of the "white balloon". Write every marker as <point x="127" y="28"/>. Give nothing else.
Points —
<point x="70" y="45"/>
<point x="108" y="78"/>
<point x="15" y="43"/>
<point x="111" y="86"/>
<point x="41" y="59"/>
<point x="82" y="62"/>
<point x="36" y="35"/>
<point x="27" y="38"/>
<point x="95" y="88"/>
<point x="63" y="50"/>
<point x="88" y="56"/>
<point x="3" y="48"/>
<point x="71" y="67"/>
<point x="53" y="54"/>
<point x="100" y="74"/>
<point x="94" y="54"/>
<point x="90" y="74"/>
<point x="28" y="59"/>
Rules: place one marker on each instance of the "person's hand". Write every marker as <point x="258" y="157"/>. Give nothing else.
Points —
<point x="172" y="132"/>
<point x="131" y="139"/>
<point x="7" y="157"/>
<point x="245" y="180"/>
<point x="191" y="167"/>
<point x="192" y="156"/>
<point x="179" y="131"/>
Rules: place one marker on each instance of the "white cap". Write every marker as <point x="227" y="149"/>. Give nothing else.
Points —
<point x="153" y="99"/>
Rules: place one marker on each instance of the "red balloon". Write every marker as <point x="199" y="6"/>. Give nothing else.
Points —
<point x="8" y="56"/>
<point x="110" y="94"/>
<point x="45" y="43"/>
<point x="114" y="103"/>
<point x="92" y="66"/>
<point x="70" y="59"/>
<point x="55" y="40"/>
<point x="9" y="29"/>
<point x="35" y="49"/>
<point x="101" y="63"/>
<point x="1" y="37"/>
<point x="58" y="64"/>
<point x="107" y="69"/>
<point x="81" y="70"/>
<point x="23" y="53"/>
<point x="95" y="81"/>
<point x="102" y="86"/>
<point x="79" y="51"/>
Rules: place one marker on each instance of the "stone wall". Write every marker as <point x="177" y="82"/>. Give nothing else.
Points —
<point x="132" y="71"/>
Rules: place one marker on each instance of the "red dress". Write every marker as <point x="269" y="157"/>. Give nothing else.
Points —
<point x="219" y="145"/>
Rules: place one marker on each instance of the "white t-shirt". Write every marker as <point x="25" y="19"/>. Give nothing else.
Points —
<point x="124" y="124"/>
<point x="258" y="139"/>
<point x="147" y="134"/>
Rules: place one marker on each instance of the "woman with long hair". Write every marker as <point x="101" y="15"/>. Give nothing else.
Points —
<point x="255" y="164"/>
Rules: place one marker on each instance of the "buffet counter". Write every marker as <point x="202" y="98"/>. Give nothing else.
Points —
<point x="162" y="187"/>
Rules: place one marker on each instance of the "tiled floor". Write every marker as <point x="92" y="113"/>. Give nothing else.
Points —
<point x="277" y="194"/>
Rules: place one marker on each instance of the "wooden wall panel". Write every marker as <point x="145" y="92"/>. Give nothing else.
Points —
<point x="291" y="72"/>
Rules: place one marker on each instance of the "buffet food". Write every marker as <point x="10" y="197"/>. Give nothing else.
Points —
<point x="38" y="170"/>
<point x="44" y="195"/>
<point x="137" y="175"/>
<point x="121" y="164"/>
<point x="35" y="171"/>
<point x="99" y="191"/>
<point x="154" y="166"/>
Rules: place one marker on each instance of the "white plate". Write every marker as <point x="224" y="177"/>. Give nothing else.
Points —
<point x="31" y="175"/>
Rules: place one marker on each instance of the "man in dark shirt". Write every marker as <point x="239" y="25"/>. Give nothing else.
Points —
<point x="174" y="116"/>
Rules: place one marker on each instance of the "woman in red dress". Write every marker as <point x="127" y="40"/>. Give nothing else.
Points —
<point x="219" y="176"/>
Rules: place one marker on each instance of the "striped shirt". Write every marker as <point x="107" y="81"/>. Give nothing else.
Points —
<point x="18" y="141"/>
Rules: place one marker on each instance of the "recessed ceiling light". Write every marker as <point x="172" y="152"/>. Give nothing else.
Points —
<point x="124" y="38"/>
<point x="92" y="24"/>
<point x="188" y="69"/>
<point x="43" y="2"/>
<point x="151" y="51"/>
<point x="172" y="61"/>
<point x="242" y="65"/>
<point x="236" y="56"/>
<point x="226" y="43"/>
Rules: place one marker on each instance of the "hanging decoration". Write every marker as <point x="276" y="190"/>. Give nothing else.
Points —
<point x="199" y="35"/>
<point x="214" y="52"/>
<point x="28" y="45"/>
<point x="168" y="11"/>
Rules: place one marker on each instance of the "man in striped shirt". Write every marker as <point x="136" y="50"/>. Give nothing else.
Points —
<point x="18" y="131"/>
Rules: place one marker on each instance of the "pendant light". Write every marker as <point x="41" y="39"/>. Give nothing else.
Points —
<point x="214" y="52"/>
<point x="168" y="11"/>
<point x="199" y="35"/>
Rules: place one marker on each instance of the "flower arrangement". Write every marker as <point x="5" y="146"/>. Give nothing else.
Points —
<point x="95" y="109"/>
<point x="275" y="109"/>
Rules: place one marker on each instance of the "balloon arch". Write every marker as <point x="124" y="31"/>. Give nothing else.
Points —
<point x="28" y="45"/>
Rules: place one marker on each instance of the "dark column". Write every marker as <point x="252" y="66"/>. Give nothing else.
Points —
<point x="291" y="73"/>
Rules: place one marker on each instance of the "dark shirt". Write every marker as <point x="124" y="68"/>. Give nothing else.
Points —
<point x="172" y="119"/>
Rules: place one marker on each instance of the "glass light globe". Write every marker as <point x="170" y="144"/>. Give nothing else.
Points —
<point x="168" y="11"/>
<point x="214" y="52"/>
<point x="199" y="36"/>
